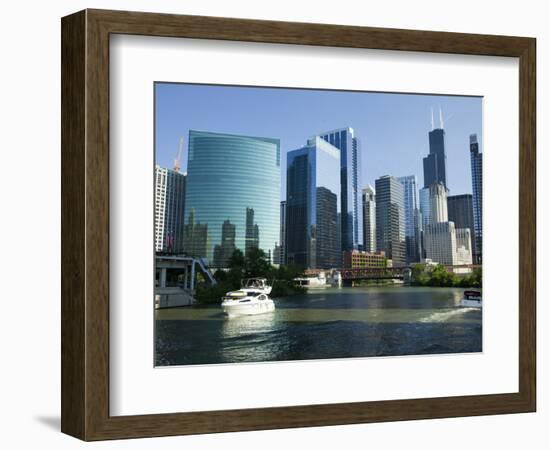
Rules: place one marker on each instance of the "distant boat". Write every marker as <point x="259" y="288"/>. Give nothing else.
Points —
<point x="471" y="299"/>
<point x="320" y="281"/>
<point x="252" y="298"/>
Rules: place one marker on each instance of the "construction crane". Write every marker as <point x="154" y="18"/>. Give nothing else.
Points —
<point x="178" y="156"/>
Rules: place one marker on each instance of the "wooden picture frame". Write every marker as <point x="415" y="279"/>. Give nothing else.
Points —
<point x="85" y="224"/>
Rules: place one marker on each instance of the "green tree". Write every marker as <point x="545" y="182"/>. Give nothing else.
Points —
<point x="256" y="263"/>
<point x="253" y="264"/>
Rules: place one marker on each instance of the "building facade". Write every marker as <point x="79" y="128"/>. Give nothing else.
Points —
<point x="358" y="259"/>
<point x="463" y="246"/>
<point x="476" y="161"/>
<point x="435" y="164"/>
<point x="460" y="208"/>
<point x="412" y="226"/>
<point x="424" y="217"/>
<point x="438" y="203"/>
<point x="369" y="219"/>
<point x="441" y="243"/>
<point x="232" y="181"/>
<point x="280" y="254"/>
<point x="444" y="242"/>
<point x="350" y="184"/>
<point x="390" y="220"/>
<point x="424" y="201"/>
<point x="169" y="210"/>
<point x="313" y="237"/>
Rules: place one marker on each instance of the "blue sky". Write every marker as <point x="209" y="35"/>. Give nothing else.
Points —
<point x="393" y="128"/>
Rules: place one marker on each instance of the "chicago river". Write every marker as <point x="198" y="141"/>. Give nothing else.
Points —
<point x="325" y="323"/>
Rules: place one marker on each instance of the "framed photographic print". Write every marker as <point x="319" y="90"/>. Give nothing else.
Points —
<point x="271" y="225"/>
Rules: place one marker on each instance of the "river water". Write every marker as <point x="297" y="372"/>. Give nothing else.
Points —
<point x="329" y="323"/>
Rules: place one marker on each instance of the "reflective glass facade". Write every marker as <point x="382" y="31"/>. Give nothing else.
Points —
<point x="412" y="231"/>
<point x="424" y="216"/>
<point x="350" y="185"/>
<point x="476" y="159"/>
<point x="313" y="192"/>
<point x="232" y="195"/>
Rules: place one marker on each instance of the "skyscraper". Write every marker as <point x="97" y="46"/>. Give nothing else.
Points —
<point x="424" y="197"/>
<point x="279" y="256"/>
<point x="237" y="179"/>
<point x="463" y="246"/>
<point x="435" y="164"/>
<point x="438" y="203"/>
<point x="476" y="160"/>
<point x="169" y="210"/>
<point x="350" y="179"/>
<point x="444" y="242"/>
<point x="441" y="243"/>
<point x="369" y="219"/>
<point x="312" y="198"/>
<point x="412" y="231"/>
<point x="460" y="209"/>
<point x="390" y="219"/>
<point x="424" y="219"/>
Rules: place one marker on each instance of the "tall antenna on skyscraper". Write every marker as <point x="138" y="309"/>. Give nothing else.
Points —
<point x="178" y="156"/>
<point x="442" y="125"/>
<point x="433" y="125"/>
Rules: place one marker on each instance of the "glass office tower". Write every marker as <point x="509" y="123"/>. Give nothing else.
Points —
<point x="232" y="196"/>
<point x="390" y="219"/>
<point x="412" y="231"/>
<point x="424" y="216"/>
<point x="476" y="159"/>
<point x="312" y="199"/>
<point x="350" y="185"/>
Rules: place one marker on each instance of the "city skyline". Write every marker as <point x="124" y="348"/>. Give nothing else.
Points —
<point x="285" y="192"/>
<point x="384" y="122"/>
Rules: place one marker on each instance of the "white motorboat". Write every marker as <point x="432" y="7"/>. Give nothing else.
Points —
<point x="252" y="298"/>
<point x="471" y="299"/>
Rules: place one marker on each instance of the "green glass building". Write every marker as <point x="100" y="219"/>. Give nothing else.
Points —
<point x="232" y="198"/>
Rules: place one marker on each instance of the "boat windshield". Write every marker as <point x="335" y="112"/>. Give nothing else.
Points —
<point x="254" y="283"/>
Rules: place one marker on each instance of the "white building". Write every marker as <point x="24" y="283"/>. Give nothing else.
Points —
<point x="463" y="246"/>
<point x="169" y="209"/>
<point x="369" y="219"/>
<point x="444" y="244"/>
<point x="441" y="243"/>
<point x="438" y="203"/>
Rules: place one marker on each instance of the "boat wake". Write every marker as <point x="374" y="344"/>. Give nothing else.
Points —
<point x="444" y="316"/>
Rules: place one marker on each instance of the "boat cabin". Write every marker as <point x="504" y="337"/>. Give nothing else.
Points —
<point x="254" y="283"/>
